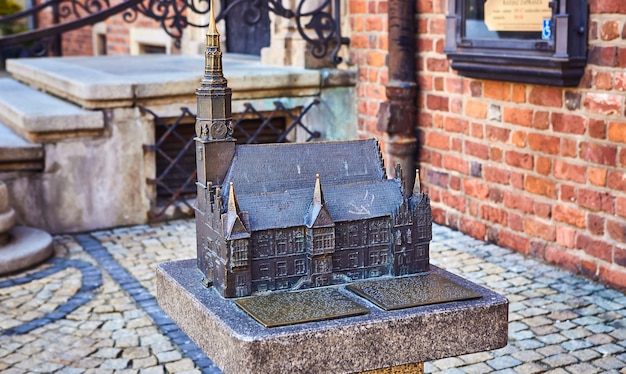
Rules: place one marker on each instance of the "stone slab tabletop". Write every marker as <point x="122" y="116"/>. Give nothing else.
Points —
<point x="15" y="149"/>
<point x="238" y="344"/>
<point x="118" y="78"/>
<point x="30" y="111"/>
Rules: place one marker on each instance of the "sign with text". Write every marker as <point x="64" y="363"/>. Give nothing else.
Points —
<point x="516" y="15"/>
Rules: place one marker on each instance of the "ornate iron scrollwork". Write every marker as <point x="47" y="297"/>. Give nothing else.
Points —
<point x="320" y="26"/>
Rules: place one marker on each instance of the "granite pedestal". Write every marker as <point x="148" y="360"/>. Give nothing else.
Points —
<point x="379" y="339"/>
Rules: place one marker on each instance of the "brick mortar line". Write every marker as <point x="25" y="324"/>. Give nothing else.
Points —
<point x="147" y="302"/>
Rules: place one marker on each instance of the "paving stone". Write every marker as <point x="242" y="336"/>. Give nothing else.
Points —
<point x="527" y="356"/>
<point x="550" y="350"/>
<point x="573" y="345"/>
<point x="503" y="362"/>
<point x="473" y="358"/>
<point x="143" y="363"/>
<point x="135" y="352"/>
<point x="479" y="368"/>
<point x="577" y="333"/>
<point x="448" y="363"/>
<point x="609" y="349"/>
<point x="609" y="363"/>
<point x="168" y="356"/>
<point x="537" y="321"/>
<point x="582" y="367"/>
<point x="544" y="330"/>
<point x="180" y="365"/>
<point x="116" y="363"/>
<point x="152" y="370"/>
<point x="552" y="338"/>
<point x="559" y="360"/>
<point x="530" y="368"/>
<point x="600" y="339"/>
<point x="563" y="315"/>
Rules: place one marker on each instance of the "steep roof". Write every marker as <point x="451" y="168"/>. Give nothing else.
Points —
<point x="283" y="167"/>
<point x="275" y="183"/>
<point x="347" y="202"/>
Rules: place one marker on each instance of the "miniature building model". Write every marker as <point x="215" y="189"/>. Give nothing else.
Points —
<point x="291" y="216"/>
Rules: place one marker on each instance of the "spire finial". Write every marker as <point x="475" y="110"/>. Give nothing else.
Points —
<point x="417" y="186"/>
<point x="233" y="206"/>
<point x="212" y="30"/>
<point x="212" y="34"/>
<point x="318" y="195"/>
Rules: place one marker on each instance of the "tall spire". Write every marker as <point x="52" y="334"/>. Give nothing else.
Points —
<point x="213" y="96"/>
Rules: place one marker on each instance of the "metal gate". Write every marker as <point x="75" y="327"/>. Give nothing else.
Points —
<point x="175" y="151"/>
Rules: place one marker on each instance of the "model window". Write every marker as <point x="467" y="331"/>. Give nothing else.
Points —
<point x="299" y="241"/>
<point x="263" y="245"/>
<point x="281" y="269"/>
<point x="354" y="260"/>
<point x="353" y="234"/>
<point x="300" y="267"/>
<point x="281" y="243"/>
<point x="264" y="271"/>
<point x="374" y="259"/>
<point x="240" y="253"/>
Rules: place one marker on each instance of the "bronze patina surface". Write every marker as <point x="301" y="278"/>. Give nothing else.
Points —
<point x="408" y="292"/>
<point x="288" y="308"/>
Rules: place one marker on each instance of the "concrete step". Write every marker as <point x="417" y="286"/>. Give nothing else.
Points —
<point x="17" y="154"/>
<point x="40" y="117"/>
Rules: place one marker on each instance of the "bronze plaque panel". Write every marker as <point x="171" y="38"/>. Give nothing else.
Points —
<point x="280" y="309"/>
<point x="400" y="293"/>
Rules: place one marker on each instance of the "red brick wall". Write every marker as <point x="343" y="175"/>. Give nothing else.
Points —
<point x="368" y="50"/>
<point x="79" y="42"/>
<point x="535" y="168"/>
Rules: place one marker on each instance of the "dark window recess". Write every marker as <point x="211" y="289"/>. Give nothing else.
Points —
<point x="183" y="167"/>
<point x="247" y="27"/>
<point x="529" y="41"/>
<point x="252" y="130"/>
<point x="148" y="49"/>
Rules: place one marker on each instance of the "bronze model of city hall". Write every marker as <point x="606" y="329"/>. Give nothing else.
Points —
<point x="293" y="216"/>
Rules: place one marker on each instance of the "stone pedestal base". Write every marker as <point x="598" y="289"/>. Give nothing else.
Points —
<point x="25" y="247"/>
<point x="374" y="341"/>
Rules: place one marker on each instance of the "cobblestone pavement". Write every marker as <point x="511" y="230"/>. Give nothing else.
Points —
<point x="91" y="309"/>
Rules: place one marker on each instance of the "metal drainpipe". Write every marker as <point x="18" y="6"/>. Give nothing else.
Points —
<point x="397" y="115"/>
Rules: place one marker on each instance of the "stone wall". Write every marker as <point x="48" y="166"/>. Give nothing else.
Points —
<point x="539" y="169"/>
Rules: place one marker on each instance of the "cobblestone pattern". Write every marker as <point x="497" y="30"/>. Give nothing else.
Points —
<point x="109" y="333"/>
<point x="36" y="301"/>
<point x="147" y="302"/>
<point x="559" y="323"/>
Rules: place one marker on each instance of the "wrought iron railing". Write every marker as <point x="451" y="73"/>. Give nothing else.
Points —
<point x="320" y="27"/>
<point x="175" y="151"/>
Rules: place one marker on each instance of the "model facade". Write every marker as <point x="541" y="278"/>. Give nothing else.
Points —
<point x="292" y="216"/>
